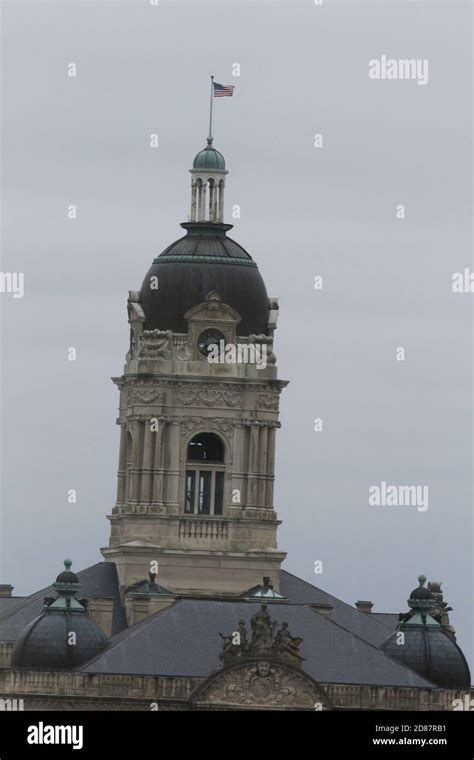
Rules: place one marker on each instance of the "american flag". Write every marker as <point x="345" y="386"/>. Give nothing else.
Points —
<point x="223" y="90"/>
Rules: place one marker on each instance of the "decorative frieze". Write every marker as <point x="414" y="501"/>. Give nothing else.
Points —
<point x="221" y="424"/>
<point x="208" y="395"/>
<point x="153" y="344"/>
<point x="268" y="400"/>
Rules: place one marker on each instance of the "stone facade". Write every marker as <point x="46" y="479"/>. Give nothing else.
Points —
<point x="169" y="393"/>
<point x="235" y="687"/>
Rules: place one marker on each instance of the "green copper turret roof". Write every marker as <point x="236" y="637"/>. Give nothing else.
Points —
<point x="209" y="158"/>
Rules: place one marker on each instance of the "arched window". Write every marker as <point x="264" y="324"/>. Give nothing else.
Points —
<point x="204" y="475"/>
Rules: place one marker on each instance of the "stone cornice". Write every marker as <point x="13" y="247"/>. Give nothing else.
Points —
<point x="124" y="692"/>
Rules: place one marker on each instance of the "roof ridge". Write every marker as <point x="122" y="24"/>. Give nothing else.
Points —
<point x="132" y="630"/>
<point x="346" y="604"/>
<point x="377" y="649"/>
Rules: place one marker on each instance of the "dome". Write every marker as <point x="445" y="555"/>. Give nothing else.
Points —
<point x="421" y="593"/>
<point x="67" y="576"/>
<point x="209" y="158"/>
<point x="46" y="640"/>
<point x="431" y="653"/>
<point x="426" y="647"/>
<point x="204" y="259"/>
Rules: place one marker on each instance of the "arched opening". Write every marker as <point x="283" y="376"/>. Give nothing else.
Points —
<point x="206" y="447"/>
<point x="204" y="491"/>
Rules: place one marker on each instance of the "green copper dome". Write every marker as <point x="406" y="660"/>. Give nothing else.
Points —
<point x="209" y="158"/>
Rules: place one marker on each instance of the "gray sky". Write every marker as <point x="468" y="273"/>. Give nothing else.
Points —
<point x="304" y="212"/>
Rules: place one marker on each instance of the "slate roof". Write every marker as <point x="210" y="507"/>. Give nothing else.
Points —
<point x="183" y="640"/>
<point x="8" y="602"/>
<point x="389" y="619"/>
<point x="97" y="580"/>
<point x="363" y="624"/>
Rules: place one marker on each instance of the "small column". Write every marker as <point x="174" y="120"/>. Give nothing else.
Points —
<point x="122" y="466"/>
<point x="262" y="465"/>
<point x="202" y="210"/>
<point x="193" y="201"/>
<point x="157" y="497"/>
<point x="147" y="473"/>
<point x="220" y="215"/>
<point x="270" y="467"/>
<point x="211" y="201"/>
<point x="135" y="464"/>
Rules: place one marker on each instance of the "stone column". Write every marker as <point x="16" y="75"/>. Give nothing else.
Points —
<point x="193" y="201"/>
<point x="173" y="469"/>
<point x="253" y="466"/>
<point x="262" y="465"/>
<point x="220" y="217"/>
<point x="270" y="467"/>
<point x="202" y="203"/>
<point x="135" y="464"/>
<point x="157" y="497"/>
<point x="122" y="466"/>
<point x="147" y="472"/>
<point x="211" y="201"/>
<point x="237" y="481"/>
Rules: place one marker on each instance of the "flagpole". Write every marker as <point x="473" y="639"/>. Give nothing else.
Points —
<point x="210" y="110"/>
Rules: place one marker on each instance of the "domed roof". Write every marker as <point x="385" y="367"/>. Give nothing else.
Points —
<point x="432" y="653"/>
<point x="209" y="158"/>
<point x="421" y="593"/>
<point x="426" y="647"/>
<point x="67" y="576"/>
<point x="46" y="641"/>
<point x="204" y="259"/>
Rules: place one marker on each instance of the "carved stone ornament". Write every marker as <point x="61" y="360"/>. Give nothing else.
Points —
<point x="261" y="683"/>
<point x="213" y="301"/>
<point x="265" y="640"/>
<point x="264" y="340"/>
<point x="145" y="394"/>
<point x="153" y="343"/>
<point x="268" y="401"/>
<point x="208" y="395"/>
<point x="220" y="424"/>
<point x="183" y="351"/>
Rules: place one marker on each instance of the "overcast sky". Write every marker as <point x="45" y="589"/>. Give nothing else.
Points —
<point x="305" y="211"/>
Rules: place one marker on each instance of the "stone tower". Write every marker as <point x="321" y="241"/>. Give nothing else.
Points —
<point x="199" y="403"/>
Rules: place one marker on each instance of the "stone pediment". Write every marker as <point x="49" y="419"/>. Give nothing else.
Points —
<point x="140" y="542"/>
<point x="213" y="310"/>
<point x="260" y="684"/>
<point x="260" y="672"/>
